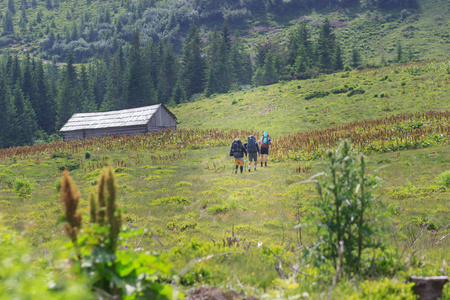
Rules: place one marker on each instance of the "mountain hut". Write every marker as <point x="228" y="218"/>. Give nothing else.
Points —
<point x="128" y="121"/>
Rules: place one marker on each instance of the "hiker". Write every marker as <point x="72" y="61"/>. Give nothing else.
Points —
<point x="252" y="150"/>
<point x="265" y="142"/>
<point x="238" y="150"/>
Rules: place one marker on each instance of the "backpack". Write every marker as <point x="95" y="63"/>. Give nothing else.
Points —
<point x="236" y="149"/>
<point x="251" y="144"/>
<point x="265" y="140"/>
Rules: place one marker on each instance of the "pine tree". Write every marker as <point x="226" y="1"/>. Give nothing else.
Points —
<point x="355" y="57"/>
<point x="410" y="53"/>
<point x="39" y="16"/>
<point x="299" y="43"/>
<point x="258" y="77"/>
<point x="74" y="35"/>
<point x="27" y="126"/>
<point x="193" y="71"/>
<point x="28" y="85"/>
<point x="120" y="58"/>
<point x="92" y="35"/>
<point x="302" y="64"/>
<point x="270" y="75"/>
<point x="13" y="73"/>
<point x="11" y="6"/>
<point x="9" y="120"/>
<point x="134" y="78"/>
<point x="242" y="64"/>
<point x="97" y="72"/>
<point x="65" y="108"/>
<point x="325" y="47"/>
<point x="338" y="63"/>
<point x="8" y="26"/>
<point x="225" y="70"/>
<point x="113" y="96"/>
<point x="88" y="103"/>
<point x="45" y="108"/>
<point x="23" y="22"/>
<point x="152" y="61"/>
<point x="70" y="70"/>
<point x="53" y="74"/>
<point x="221" y="75"/>
<point x="212" y="81"/>
<point x="48" y="4"/>
<point x="168" y="75"/>
<point x="178" y="94"/>
<point x="262" y="48"/>
<point x="68" y="101"/>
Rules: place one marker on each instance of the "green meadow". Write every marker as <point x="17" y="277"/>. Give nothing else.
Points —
<point x="220" y="229"/>
<point x="329" y="100"/>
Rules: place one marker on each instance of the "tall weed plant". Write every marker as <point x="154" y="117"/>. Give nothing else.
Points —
<point x="344" y="204"/>
<point x="113" y="273"/>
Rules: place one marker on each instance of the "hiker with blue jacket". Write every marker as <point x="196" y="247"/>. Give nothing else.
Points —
<point x="253" y="151"/>
<point x="265" y="142"/>
<point x="238" y="150"/>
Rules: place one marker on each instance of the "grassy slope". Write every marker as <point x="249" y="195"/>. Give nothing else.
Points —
<point x="282" y="108"/>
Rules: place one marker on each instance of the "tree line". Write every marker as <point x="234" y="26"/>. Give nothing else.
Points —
<point x="37" y="98"/>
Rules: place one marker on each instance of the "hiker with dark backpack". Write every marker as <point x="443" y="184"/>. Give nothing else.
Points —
<point x="253" y="151"/>
<point x="265" y="142"/>
<point x="238" y="150"/>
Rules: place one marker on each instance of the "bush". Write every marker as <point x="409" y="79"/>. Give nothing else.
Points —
<point x="70" y="166"/>
<point x="357" y="91"/>
<point x="87" y="155"/>
<point x="404" y="14"/>
<point x="217" y="209"/>
<point x="57" y="185"/>
<point x="444" y="179"/>
<point x="171" y="226"/>
<point x="316" y="94"/>
<point x="339" y="90"/>
<point x="389" y="289"/>
<point x="173" y="199"/>
<point x="187" y="225"/>
<point x="61" y="155"/>
<point x="22" y="187"/>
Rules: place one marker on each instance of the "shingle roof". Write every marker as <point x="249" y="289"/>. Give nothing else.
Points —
<point x="117" y="118"/>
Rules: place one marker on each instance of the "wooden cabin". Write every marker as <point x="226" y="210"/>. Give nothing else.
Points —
<point x="128" y="121"/>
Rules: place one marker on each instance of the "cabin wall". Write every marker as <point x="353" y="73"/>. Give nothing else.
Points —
<point x="161" y="120"/>
<point x="100" y="132"/>
<point x="72" y="135"/>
